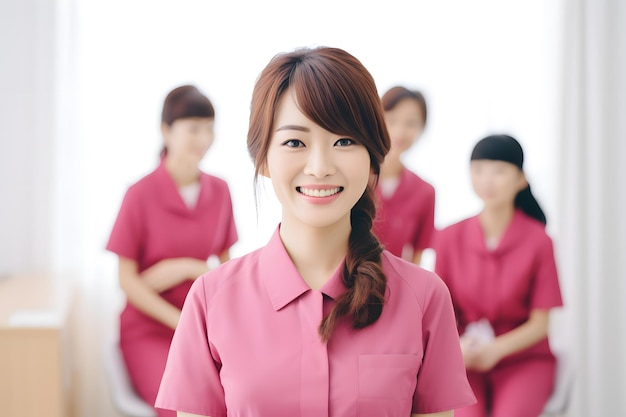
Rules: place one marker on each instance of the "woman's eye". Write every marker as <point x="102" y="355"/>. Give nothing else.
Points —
<point x="345" y="142"/>
<point x="293" y="143"/>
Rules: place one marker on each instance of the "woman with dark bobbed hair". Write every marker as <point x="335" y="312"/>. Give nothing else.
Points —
<point x="321" y="321"/>
<point x="405" y="221"/>
<point x="170" y="223"/>
<point x="501" y="271"/>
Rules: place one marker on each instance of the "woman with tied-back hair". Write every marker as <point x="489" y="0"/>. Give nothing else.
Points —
<point x="405" y="222"/>
<point x="501" y="271"/>
<point x="320" y="321"/>
<point x="170" y="223"/>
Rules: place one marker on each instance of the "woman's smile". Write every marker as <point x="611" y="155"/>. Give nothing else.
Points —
<point x="319" y="194"/>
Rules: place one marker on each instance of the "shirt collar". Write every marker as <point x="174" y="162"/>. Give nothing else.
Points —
<point x="508" y="240"/>
<point x="335" y="287"/>
<point x="282" y="280"/>
<point x="167" y="190"/>
<point x="170" y="195"/>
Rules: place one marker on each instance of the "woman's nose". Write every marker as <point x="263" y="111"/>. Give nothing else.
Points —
<point x="319" y="163"/>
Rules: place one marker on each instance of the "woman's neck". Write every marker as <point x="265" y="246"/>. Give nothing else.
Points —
<point x="315" y="251"/>
<point x="495" y="220"/>
<point x="182" y="173"/>
<point x="392" y="167"/>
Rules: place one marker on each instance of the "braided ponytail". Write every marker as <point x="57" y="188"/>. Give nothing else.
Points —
<point x="363" y="275"/>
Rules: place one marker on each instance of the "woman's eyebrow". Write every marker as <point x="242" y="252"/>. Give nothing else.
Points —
<point x="293" y="127"/>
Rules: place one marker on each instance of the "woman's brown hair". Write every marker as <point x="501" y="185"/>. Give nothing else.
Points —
<point x="184" y="102"/>
<point x="398" y="93"/>
<point x="334" y="90"/>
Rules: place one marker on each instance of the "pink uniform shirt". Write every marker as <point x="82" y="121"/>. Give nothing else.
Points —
<point x="248" y="345"/>
<point x="407" y="217"/>
<point x="154" y="224"/>
<point x="502" y="285"/>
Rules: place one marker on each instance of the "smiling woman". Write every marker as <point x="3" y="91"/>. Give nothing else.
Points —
<point x="80" y="98"/>
<point x="170" y="222"/>
<point x="332" y="323"/>
<point x="111" y="83"/>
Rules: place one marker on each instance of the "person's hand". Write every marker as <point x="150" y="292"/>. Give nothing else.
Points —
<point x="195" y="267"/>
<point x="483" y="357"/>
<point x="170" y="272"/>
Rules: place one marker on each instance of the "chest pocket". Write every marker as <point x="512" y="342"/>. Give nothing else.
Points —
<point x="387" y="384"/>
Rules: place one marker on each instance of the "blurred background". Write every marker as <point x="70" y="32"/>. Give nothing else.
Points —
<point x="82" y="85"/>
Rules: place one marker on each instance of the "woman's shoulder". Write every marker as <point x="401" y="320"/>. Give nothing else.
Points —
<point x="214" y="179"/>
<point x="532" y="228"/>
<point x="412" y="177"/>
<point x="423" y="284"/>
<point x="215" y="182"/>
<point x="459" y="227"/>
<point x="234" y="272"/>
<point x="528" y="221"/>
<point x="143" y="187"/>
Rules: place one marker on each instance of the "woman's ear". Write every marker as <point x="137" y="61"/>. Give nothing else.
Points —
<point x="373" y="180"/>
<point x="523" y="182"/>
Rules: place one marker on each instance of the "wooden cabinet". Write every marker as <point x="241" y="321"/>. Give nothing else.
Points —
<point x="35" y="358"/>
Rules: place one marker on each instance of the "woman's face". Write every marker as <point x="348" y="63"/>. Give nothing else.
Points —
<point x="405" y="125"/>
<point x="188" y="139"/>
<point x="496" y="182"/>
<point x="318" y="176"/>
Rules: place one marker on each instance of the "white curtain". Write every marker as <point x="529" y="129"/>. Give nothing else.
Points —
<point x="27" y="119"/>
<point x="591" y="221"/>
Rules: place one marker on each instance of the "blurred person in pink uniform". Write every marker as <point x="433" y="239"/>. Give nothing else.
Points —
<point x="321" y="321"/>
<point x="170" y="223"/>
<point x="405" y="222"/>
<point x="500" y="268"/>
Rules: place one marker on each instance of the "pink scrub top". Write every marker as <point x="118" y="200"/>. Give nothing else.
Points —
<point x="407" y="217"/>
<point x="502" y="285"/>
<point x="154" y="224"/>
<point x="248" y="345"/>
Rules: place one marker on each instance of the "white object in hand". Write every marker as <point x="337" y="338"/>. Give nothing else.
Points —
<point x="480" y="331"/>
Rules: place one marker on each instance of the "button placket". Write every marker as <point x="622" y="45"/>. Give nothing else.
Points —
<point x="314" y="381"/>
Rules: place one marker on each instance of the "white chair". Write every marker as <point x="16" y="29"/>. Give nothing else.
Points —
<point x="559" y="401"/>
<point x="123" y="395"/>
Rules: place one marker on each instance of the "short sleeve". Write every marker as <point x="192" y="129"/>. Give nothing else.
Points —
<point x="191" y="381"/>
<point x="442" y="380"/>
<point x="426" y="227"/>
<point x="126" y="236"/>
<point x="546" y="292"/>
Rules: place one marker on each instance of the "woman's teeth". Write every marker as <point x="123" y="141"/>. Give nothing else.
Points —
<point x="319" y="193"/>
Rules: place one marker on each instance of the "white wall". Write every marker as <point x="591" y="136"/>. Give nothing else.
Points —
<point x="479" y="65"/>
